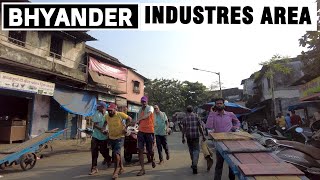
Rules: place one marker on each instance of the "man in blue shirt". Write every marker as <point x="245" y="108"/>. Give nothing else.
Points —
<point x="288" y="120"/>
<point x="99" y="139"/>
<point x="160" y="130"/>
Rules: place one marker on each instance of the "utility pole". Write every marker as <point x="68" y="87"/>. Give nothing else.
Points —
<point x="217" y="73"/>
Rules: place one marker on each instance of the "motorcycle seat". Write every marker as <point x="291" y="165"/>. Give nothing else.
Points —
<point x="308" y="149"/>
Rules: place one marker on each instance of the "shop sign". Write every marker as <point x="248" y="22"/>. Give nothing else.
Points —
<point x="20" y="83"/>
<point x="121" y="101"/>
<point x="133" y="108"/>
<point x="106" y="98"/>
<point x="310" y="88"/>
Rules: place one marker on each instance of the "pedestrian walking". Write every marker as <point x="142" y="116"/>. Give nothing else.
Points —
<point x="160" y="130"/>
<point x="116" y="131"/>
<point x="295" y="119"/>
<point x="191" y="130"/>
<point x="222" y="121"/>
<point x="146" y="136"/>
<point x="288" y="121"/>
<point x="99" y="140"/>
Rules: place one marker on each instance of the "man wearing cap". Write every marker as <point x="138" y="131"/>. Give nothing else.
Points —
<point x="116" y="129"/>
<point x="99" y="139"/>
<point x="146" y="133"/>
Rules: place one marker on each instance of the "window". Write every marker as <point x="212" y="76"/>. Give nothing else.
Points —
<point x="56" y="47"/>
<point x="136" y="87"/>
<point x="269" y="83"/>
<point x="18" y="37"/>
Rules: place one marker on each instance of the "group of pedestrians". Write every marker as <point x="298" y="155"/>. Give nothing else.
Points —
<point x="288" y="121"/>
<point x="109" y="132"/>
<point x="109" y="128"/>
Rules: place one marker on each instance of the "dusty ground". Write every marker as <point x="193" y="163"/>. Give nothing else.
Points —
<point x="72" y="160"/>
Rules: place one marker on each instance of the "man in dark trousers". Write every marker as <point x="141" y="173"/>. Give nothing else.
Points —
<point x="222" y="121"/>
<point x="99" y="140"/>
<point x="192" y="129"/>
<point x="160" y="130"/>
<point x="146" y="138"/>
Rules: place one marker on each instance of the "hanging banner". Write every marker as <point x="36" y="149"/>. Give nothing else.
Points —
<point x="20" y="83"/>
<point x="107" y="69"/>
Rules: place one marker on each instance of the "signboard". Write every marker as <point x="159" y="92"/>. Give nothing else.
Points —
<point x="310" y="88"/>
<point x="106" y="98"/>
<point x="20" y="83"/>
<point x="133" y="108"/>
<point x="121" y="101"/>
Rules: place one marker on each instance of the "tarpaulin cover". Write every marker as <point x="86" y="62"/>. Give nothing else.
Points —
<point x="76" y="102"/>
<point x="232" y="107"/>
<point x="302" y="105"/>
<point x="256" y="109"/>
<point x="107" y="69"/>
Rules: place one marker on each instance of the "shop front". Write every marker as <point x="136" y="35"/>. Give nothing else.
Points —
<point x="24" y="107"/>
<point x="121" y="104"/>
<point x="133" y="111"/>
<point x="106" y="98"/>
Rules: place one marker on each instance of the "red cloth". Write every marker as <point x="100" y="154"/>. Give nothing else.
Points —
<point x="295" y="119"/>
<point x="107" y="69"/>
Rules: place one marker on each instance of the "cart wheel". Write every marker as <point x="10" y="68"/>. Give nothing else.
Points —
<point x="28" y="161"/>
<point x="127" y="157"/>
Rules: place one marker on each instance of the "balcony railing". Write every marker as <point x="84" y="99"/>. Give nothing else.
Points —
<point x="56" y="61"/>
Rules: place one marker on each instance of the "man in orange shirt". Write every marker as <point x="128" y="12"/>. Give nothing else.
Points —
<point x="146" y="133"/>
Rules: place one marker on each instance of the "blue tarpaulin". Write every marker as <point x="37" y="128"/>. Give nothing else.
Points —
<point x="254" y="110"/>
<point x="233" y="107"/>
<point x="76" y="102"/>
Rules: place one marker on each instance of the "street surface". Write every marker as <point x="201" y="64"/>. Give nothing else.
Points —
<point x="77" y="165"/>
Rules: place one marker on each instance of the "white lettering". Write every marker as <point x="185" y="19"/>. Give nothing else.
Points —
<point x="77" y="16"/>
<point x="47" y="16"/>
<point x="62" y="17"/>
<point x="124" y="16"/>
<point x="29" y="17"/>
<point x="15" y="17"/>
<point x="91" y="17"/>
<point x="109" y="16"/>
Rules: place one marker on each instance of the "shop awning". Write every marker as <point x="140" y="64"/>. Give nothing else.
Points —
<point x="256" y="109"/>
<point x="76" y="102"/>
<point x="111" y="83"/>
<point x="303" y="105"/>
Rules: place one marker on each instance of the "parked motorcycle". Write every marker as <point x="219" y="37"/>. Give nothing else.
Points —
<point x="303" y="156"/>
<point x="131" y="143"/>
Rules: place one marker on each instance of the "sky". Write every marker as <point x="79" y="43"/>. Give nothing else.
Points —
<point x="234" y="53"/>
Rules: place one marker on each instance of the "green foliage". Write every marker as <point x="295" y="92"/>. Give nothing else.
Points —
<point x="276" y="64"/>
<point x="311" y="91"/>
<point x="173" y="95"/>
<point x="311" y="58"/>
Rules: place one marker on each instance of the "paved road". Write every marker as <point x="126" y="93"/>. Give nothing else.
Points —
<point x="76" y="166"/>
